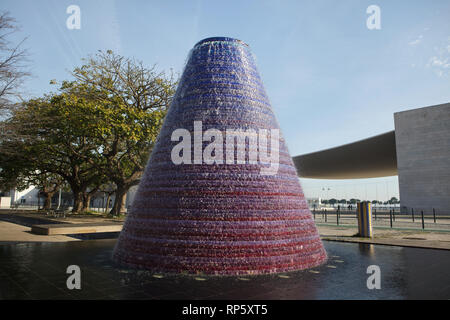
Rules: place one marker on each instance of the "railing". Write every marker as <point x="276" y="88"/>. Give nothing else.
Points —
<point x="430" y="219"/>
<point x="33" y="206"/>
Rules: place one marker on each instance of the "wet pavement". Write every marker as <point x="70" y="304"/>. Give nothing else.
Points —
<point x="38" y="271"/>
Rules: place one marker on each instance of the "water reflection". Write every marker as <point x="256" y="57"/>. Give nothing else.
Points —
<point x="39" y="271"/>
<point x="366" y="249"/>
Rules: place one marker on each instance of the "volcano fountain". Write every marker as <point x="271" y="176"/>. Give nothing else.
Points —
<point x="201" y="207"/>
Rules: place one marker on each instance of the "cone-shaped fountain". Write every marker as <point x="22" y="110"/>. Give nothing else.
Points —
<point x="220" y="193"/>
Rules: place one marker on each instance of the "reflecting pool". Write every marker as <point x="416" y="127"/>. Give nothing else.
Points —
<point x="38" y="271"/>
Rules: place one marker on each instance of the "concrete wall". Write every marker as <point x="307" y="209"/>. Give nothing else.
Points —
<point x="130" y="196"/>
<point x="423" y="158"/>
<point x="5" y="202"/>
<point x="27" y="196"/>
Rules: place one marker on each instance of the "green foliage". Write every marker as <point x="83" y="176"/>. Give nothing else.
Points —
<point x="96" y="129"/>
<point x="134" y="101"/>
<point x="332" y="201"/>
<point x="393" y="200"/>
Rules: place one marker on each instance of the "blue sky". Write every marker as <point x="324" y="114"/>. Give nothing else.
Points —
<point x="330" y="79"/>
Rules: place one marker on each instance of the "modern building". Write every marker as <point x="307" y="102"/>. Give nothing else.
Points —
<point x="15" y="197"/>
<point x="418" y="151"/>
<point x="314" y="202"/>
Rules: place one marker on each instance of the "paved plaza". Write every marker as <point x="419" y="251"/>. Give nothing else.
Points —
<point x="16" y="228"/>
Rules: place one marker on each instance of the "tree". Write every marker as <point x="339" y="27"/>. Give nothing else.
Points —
<point x="98" y="129"/>
<point x="134" y="100"/>
<point x="332" y="201"/>
<point x="48" y="184"/>
<point x="9" y="174"/>
<point x="13" y="71"/>
<point x="18" y="171"/>
<point x="12" y="63"/>
<point x="108" y="189"/>
<point x="393" y="200"/>
<point x="343" y="201"/>
<point x="57" y="135"/>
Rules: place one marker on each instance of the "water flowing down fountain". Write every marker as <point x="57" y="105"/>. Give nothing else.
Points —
<point x="220" y="193"/>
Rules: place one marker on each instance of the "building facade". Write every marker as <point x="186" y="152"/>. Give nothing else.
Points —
<point x="423" y="158"/>
<point x="418" y="151"/>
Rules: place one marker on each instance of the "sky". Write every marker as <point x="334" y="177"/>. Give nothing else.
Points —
<point x="330" y="79"/>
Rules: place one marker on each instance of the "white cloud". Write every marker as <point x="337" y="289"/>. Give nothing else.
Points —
<point x="440" y="61"/>
<point x="435" y="62"/>
<point x="417" y="41"/>
<point x="440" y="65"/>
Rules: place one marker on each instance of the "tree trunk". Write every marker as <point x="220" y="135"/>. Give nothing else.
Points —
<point x="48" y="199"/>
<point x="77" y="202"/>
<point x="119" y="201"/>
<point x="86" y="201"/>
<point x="107" y="202"/>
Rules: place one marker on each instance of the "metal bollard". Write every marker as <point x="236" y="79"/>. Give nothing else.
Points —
<point x="412" y="210"/>
<point x="325" y="215"/>
<point x="423" y="222"/>
<point x="337" y="217"/>
<point x="365" y="219"/>
<point x="314" y="213"/>
<point x="390" y="217"/>
<point x="434" y="215"/>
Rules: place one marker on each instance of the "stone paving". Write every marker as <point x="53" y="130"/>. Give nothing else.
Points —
<point x="395" y="237"/>
<point x="15" y="233"/>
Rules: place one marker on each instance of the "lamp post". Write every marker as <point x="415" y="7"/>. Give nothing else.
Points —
<point x="59" y="198"/>
<point x="326" y="189"/>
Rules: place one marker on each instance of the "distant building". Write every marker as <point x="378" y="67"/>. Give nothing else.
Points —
<point x="29" y="199"/>
<point x="418" y="151"/>
<point x="314" y="202"/>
